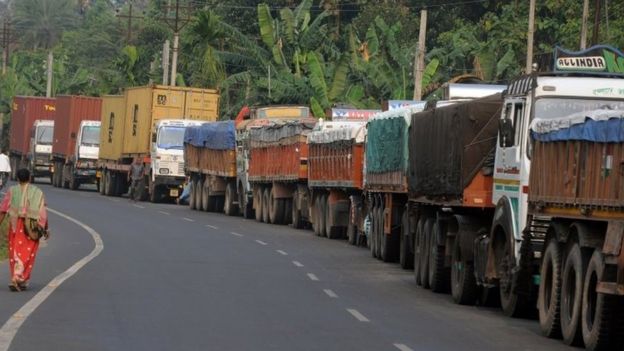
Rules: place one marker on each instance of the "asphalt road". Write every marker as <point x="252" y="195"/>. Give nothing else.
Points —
<point x="174" y="279"/>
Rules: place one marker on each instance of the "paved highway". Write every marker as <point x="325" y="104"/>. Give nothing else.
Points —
<point x="173" y="279"/>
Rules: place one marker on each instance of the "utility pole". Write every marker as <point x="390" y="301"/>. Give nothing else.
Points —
<point x="165" y="63"/>
<point x="584" y="24"/>
<point x="596" y="23"/>
<point x="129" y="16"/>
<point x="419" y="58"/>
<point x="530" y="33"/>
<point x="181" y="17"/>
<point x="6" y="39"/>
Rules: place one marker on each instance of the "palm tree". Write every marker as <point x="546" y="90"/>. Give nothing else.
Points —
<point x="41" y="23"/>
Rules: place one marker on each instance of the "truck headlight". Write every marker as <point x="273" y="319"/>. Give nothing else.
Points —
<point x="164" y="171"/>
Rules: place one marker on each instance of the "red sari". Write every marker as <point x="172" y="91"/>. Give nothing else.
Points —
<point x="22" y="249"/>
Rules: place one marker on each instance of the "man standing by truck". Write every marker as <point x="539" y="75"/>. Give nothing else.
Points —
<point x="136" y="175"/>
<point x="5" y="169"/>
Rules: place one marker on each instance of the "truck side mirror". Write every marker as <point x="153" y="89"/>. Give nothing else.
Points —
<point x="506" y="133"/>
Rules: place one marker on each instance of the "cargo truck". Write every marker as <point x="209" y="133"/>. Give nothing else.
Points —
<point x="76" y="141"/>
<point x="273" y="159"/>
<point x="520" y="196"/>
<point x="210" y="161"/>
<point x="148" y="125"/>
<point x="31" y="132"/>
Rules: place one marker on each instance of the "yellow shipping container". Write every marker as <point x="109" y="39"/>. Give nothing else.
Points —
<point x="111" y="131"/>
<point x="147" y="105"/>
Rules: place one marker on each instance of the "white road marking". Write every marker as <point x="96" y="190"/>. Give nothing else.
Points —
<point x="112" y="199"/>
<point x="188" y="219"/>
<point x="261" y="242"/>
<point x="211" y="226"/>
<point x="11" y="326"/>
<point x="138" y="206"/>
<point x="355" y="313"/>
<point x="165" y="213"/>
<point x="281" y="252"/>
<point x="297" y="263"/>
<point x="313" y="277"/>
<point x="237" y="234"/>
<point x="403" y="347"/>
<point x="330" y="293"/>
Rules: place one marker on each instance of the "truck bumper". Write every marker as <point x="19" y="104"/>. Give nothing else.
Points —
<point x="86" y="175"/>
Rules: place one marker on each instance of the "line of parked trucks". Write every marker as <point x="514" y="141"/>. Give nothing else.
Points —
<point x="513" y="194"/>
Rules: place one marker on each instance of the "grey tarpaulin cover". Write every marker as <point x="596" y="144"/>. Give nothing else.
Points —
<point x="449" y="145"/>
<point x="280" y="132"/>
<point x="213" y="135"/>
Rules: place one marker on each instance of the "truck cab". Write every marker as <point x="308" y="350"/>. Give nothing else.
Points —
<point x="84" y="169"/>
<point x="40" y="148"/>
<point x="167" y="158"/>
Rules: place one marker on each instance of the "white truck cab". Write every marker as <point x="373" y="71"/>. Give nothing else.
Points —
<point x="88" y="145"/>
<point x="41" y="148"/>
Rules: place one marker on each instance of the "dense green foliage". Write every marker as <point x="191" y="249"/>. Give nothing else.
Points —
<point x="320" y="53"/>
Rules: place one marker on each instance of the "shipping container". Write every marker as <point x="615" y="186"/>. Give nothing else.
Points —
<point x="145" y="106"/>
<point x="24" y="111"/>
<point x="112" y="127"/>
<point x="70" y="111"/>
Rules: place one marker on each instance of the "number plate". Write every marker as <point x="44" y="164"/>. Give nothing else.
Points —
<point x="173" y="192"/>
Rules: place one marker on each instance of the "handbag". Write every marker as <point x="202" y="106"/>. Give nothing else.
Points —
<point x="33" y="230"/>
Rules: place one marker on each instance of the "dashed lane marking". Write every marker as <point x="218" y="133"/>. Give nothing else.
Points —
<point x="403" y="347"/>
<point x="211" y="226"/>
<point x="165" y="213"/>
<point x="297" y="263"/>
<point x="355" y="313"/>
<point x="188" y="219"/>
<point x="12" y="326"/>
<point x="313" y="277"/>
<point x="330" y="293"/>
<point x="237" y="234"/>
<point x="261" y="242"/>
<point x="138" y="206"/>
<point x="282" y="252"/>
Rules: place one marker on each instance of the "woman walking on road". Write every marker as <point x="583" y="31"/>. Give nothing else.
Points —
<point x="28" y="222"/>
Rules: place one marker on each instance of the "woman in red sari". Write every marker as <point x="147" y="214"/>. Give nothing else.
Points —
<point x="25" y="205"/>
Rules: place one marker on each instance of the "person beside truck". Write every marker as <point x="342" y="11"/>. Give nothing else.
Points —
<point x="5" y="169"/>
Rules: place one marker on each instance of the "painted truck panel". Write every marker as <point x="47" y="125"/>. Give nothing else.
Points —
<point x="24" y="112"/>
<point x="202" y="104"/>
<point x="70" y="111"/>
<point x="210" y="148"/>
<point x="112" y="128"/>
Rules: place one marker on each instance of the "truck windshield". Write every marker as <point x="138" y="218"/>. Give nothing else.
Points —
<point x="547" y="108"/>
<point x="90" y="136"/>
<point x="171" y="137"/>
<point x="44" y="135"/>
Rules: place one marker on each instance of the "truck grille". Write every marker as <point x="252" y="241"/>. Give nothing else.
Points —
<point x="180" y="167"/>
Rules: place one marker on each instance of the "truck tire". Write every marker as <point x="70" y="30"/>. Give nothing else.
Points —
<point x="548" y="303"/>
<point x="323" y="215"/>
<point x="438" y="272"/>
<point x="192" y="195"/>
<point x="266" y="194"/>
<point x="316" y="219"/>
<point x="418" y="239"/>
<point x="513" y="305"/>
<point x="74" y="183"/>
<point x="380" y="233"/>
<point x="101" y="185"/>
<point x="64" y="178"/>
<point x="108" y="183"/>
<point x="204" y="194"/>
<point x="406" y="256"/>
<point x="373" y="231"/>
<point x="297" y="221"/>
<point x="571" y="294"/>
<point x="230" y="208"/>
<point x="425" y="252"/>
<point x="258" y="202"/>
<point x="601" y="314"/>
<point x="275" y="208"/>
<point x="464" y="287"/>
<point x="156" y="194"/>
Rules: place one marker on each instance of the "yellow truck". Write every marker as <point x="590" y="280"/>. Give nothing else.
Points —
<point x="147" y="124"/>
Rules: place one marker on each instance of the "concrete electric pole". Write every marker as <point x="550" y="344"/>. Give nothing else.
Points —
<point x="530" y="32"/>
<point x="129" y="17"/>
<point x="584" y="24"/>
<point x="419" y="59"/>
<point x="181" y="17"/>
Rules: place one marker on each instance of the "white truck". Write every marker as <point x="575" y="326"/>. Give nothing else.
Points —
<point x="40" y="148"/>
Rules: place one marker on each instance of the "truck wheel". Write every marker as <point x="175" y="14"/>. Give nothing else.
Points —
<point x="156" y="194"/>
<point x="418" y="239"/>
<point x="192" y="196"/>
<point x="297" y="221"/>
<point x="108" y="183"/>
<point x="406" y="257"/>
<point x="204" y="193"/>
<point x="230" y="208"/>
<point x="464" y="287"/>
<point x="323" y="215"/>
<point x="572" y="294"/>
<point x="438" y="273"/>
<point x="274" y="208"/>
<point x="548" y="302"/>
<point x="101" y="185"/>
<point x="65" y="178"/>
<point x="425" y="250"/>
<point x="373" y="231"/>
<point x="601" y="315"/>
<point x="316" y="218"/>
<point x="258" y="202"/>
<point x="266" y="194"/>
<point x="513" y="305"/>
<point x="74" y="184"/>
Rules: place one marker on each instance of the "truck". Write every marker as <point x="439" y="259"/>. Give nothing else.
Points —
<point x="31" y="132"/>
<point x="210" y="161"/>
<point x="518" y="196"/>
<point x="335" y="180"/>
<point x="250" y="191"/>
<point x="275" y="156"/>
<point x="148" y="125"/>
<point x="76" y="141"/>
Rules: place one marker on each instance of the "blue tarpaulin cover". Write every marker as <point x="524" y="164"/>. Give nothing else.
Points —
<point x="602" y="126"/>
<point x="213" y="135"/>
